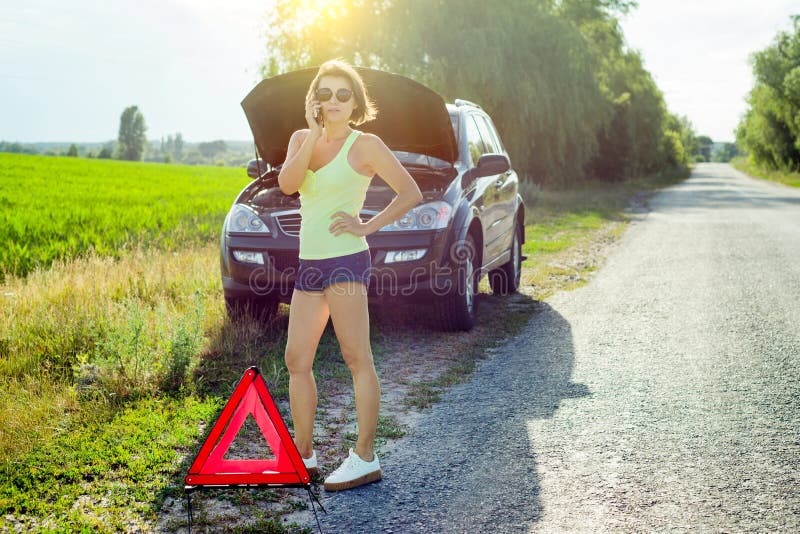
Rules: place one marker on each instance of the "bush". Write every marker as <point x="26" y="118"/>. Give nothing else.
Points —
<point x="184" y="343"/>
<point x="672" y="150"/>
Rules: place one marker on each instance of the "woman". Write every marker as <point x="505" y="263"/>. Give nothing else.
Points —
<point x="331" y="165"/>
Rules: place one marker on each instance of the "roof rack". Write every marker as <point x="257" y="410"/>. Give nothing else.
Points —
<point x="462" y="102"/>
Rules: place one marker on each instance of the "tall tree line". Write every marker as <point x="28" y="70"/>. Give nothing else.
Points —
<point x="571" y="101"/>
<point x="770" y="129"/>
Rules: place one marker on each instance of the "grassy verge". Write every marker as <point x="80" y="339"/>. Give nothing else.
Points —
<point x="133" y="348"/>
<point x="105" y="474"/>
<point x="111" y="369"/>
<point x="746" y="166"/>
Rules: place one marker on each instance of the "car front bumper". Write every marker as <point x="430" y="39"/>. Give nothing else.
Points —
<point x="428" y="277"/>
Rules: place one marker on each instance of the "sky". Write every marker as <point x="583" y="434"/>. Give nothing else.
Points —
<point x="698" y="53"/>
<point x="69" y="68"/>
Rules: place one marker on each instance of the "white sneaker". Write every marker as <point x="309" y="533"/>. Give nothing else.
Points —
<point x="311" y="463"/>
<point x="353" y="472"/>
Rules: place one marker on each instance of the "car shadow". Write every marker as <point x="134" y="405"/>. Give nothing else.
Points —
<point x="469" y="464"/>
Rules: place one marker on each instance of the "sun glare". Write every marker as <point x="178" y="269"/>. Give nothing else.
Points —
<point x="309" y="11"/>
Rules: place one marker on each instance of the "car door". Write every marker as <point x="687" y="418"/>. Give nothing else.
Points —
<point x="503" y="192"/>
<point x="483" y="198"/>
<point x="493" y="208"/>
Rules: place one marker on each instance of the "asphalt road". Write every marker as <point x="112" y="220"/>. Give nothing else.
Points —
<point x="664" y="395"/>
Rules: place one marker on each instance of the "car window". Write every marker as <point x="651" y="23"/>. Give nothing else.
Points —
<point x="495" y="134"/>
<point x="487" y="133"/>
<point x="474" y="140"/>
<point x="454" y="123"/>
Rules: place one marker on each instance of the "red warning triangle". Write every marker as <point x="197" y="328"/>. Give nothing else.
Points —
<point x="285" y="468"/>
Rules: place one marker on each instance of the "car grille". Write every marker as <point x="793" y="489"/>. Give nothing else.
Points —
<point x="289" y="223"/>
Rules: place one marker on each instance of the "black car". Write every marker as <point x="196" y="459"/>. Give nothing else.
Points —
<point x="469" y="223"/>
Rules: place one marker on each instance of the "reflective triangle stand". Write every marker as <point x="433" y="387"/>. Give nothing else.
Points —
<point x="286" y="469"/>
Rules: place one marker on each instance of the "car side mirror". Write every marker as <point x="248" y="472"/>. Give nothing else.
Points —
<point x="256" y="165"/>
<point x="491" y="164"/>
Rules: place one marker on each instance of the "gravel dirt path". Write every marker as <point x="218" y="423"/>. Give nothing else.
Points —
<point x="664" y="395"/>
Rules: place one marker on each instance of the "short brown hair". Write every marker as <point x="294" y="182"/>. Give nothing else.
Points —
<point x="366" y="109"/>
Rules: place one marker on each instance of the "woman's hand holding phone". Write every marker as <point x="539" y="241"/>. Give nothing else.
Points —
<point x="314" y="117"/>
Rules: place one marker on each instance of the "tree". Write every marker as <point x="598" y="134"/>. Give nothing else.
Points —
<point x="525" y="65"/>
<point x="178" y="147"/>
<point x="770" y="128"/>
<point x="132" y="140"/>
<point x="629" y="136"/>
<point x="210" y="150"/>
<point x="704" y="146"/>
<point x="682" y="126"/>
<point x="17" y="148"/>
<point x="73" y="151"/>
<point x="107" y="151"/>
<point x="724" y="152"/>
<point x="554" y="76"/>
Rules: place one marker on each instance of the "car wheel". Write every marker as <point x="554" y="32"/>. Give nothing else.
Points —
<point x="251" y="308"/>
<point x="506" y="279"/>
<point x="458" y="311"/>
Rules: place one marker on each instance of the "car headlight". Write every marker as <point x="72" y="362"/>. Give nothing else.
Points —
<point x="244" y="219"/>
<point x="429" y="216"/>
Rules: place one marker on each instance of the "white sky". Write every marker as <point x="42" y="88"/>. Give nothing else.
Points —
<point x="698" y="50"/>
<point x="69" y="68"/>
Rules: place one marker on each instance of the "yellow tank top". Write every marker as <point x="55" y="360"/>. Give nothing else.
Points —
<point x="336" y="186"/>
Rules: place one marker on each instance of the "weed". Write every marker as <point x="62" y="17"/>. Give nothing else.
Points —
<point x="388" y="428"/>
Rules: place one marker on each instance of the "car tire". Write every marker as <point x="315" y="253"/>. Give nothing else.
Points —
<point x="457" y="311"/>
<point x="260" y="309"/>
<point x="505" y="279"/>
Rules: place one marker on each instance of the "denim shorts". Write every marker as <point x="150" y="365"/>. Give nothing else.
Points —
<point x="316" y="275"/>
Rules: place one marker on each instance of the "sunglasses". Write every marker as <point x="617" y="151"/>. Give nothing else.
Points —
<point x="342" y="95"/>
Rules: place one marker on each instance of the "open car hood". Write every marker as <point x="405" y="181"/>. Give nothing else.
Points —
<point x="411" y="117"/>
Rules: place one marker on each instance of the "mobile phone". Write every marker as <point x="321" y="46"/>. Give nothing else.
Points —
<point x="317" y="116"/>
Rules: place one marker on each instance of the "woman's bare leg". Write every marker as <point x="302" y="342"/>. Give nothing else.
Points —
<point x="308" y="315"/>
<point x="347" y="302"/>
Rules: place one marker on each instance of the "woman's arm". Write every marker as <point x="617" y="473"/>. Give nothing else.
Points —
<point x="294" y="168"/>
<point x="386" y="164"/>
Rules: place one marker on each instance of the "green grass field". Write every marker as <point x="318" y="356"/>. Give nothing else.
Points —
<point x="55" y="208"/>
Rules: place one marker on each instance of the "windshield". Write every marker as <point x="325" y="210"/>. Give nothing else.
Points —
<point x="454" y="123"/>
<point x="420" y="159"/>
